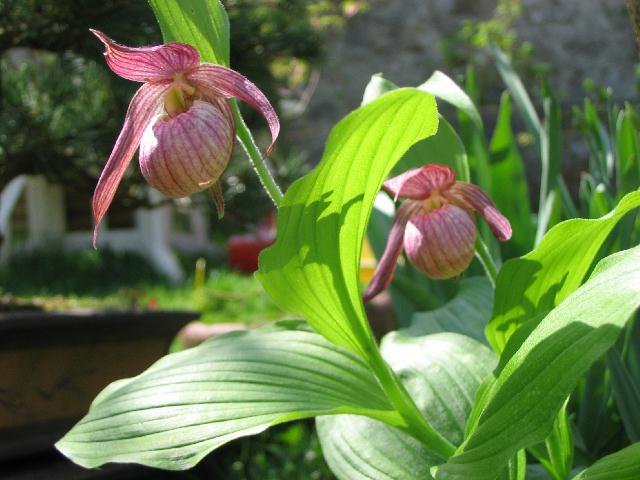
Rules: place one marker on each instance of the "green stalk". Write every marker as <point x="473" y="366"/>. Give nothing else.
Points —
<point x="487" y="262"/>
<point x="257" y="160"/>
<point x="416" y="424"/>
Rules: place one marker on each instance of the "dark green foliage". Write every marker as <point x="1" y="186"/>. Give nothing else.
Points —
<point x="80" y="273"/>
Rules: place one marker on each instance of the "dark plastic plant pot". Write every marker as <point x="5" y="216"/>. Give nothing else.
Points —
<point x="52" y="365"/>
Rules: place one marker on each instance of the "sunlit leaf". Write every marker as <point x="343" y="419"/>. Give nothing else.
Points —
<point x="201" y="23"/>
<point x="521" y="404"/>
<point x="189" y="403"/>
<point x="536" y="282"/>
<point x="622" y="465"/>
<point x="442" y="86"/>
<point x="511" y="194"/>
<point x="313" y="268"/>
<point x="442" y="372"/>
<point x="467" y="313"/>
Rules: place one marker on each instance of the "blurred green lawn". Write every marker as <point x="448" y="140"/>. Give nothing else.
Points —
<point x="59" y="280"/>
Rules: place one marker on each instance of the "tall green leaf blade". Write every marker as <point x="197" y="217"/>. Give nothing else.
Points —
<point x="442" y="86"/>
<point x="442" y="372"/>
<point x="467" y="313"/>
<point x="519" y="93"/>
<point x="626" y="391"/>
<point x="627" y="151"/>
<point x="377" y="86"/>
<point x="312" y="269"/>
<point x="189" y="403"/>
<point x="538" y="281"/>
<point x="507" y="168"/>
<point x="622" y="465"/>
<point x="446" y="89"/>
<point x="533" y="385"/>
<point x="444" y="147"/>
<point x="201" y="23"/>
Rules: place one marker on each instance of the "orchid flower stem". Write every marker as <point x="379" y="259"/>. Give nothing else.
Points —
<point x="256" y="158"/>
<point x="415" y="423"/>
<point x="487" y="261"/>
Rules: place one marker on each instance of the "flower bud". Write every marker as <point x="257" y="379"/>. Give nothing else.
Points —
<point x="187" y="153"/>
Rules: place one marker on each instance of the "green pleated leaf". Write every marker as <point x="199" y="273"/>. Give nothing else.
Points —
<point x="535" y="283"/>
<point x="627" y="150"/>
<point x="622" y="465"/>
<point x="377" y="86"/>
<point x="442" y="86"/>
<point x="522" y="403"/>
<point x="444" y="147"/>
<point x="467" y="313"/>
<point x="442" y="372"/>
<point x="519" y="93"/>
<point x="626" y="390"/>
<point x="313" y="267"/>
<point x="201" y="23"/>
<point x="189" y="403"/>
<point x="507" y="168"/>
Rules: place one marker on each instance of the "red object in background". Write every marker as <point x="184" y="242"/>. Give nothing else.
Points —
<point x="244" y="249"/>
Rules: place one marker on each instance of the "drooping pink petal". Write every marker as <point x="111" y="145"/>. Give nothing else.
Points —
<point x="471" y="197"/>
<point x="148" y="64"/>
<point x="388" y="262"/>
<point x="418" y="183"/>
<point x="219" y="81"/>
<point x="441" y="243"/>
<point x="145" y="104"/>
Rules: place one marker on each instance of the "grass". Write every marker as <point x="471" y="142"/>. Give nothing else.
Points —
<point x="58" y="280"/>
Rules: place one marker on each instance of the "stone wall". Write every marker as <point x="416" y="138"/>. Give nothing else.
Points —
<point x="577" y="38"/>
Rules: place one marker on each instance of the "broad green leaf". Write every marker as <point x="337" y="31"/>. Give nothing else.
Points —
<point x="442" y="86"/>
<point x="477" y="170"/>
<point x="626" y="391"/>
<point x="377" y="86"/>
<point x="191" y="402"/>
<point x="444" y="147"/>
<point x="507" y="169"/>
<point x="442" y="372"/>
<point x="622" y="465"/>
<point x="467" y="313"/>
<point x="312" y="269"/>
<point x="534" y="384"/>
<point x="201" y="23"/>
<point x="536" y="282"/>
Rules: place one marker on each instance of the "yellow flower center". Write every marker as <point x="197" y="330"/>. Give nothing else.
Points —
<point x="179" y="97"/>
<point x="434" y="201"/>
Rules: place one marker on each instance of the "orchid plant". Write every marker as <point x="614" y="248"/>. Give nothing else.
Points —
<point x="479" y="388"/>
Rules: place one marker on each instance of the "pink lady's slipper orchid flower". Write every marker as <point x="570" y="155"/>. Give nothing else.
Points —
<point x="435" y="226"/>
<point x="179" y="117"/>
